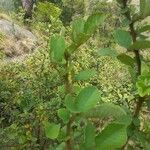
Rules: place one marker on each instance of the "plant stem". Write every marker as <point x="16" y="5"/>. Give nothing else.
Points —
<point x="68" y="142"/>
<point x="138" y="66"/>
<point x="68" y="90"/>
<point x="140" y="100"/>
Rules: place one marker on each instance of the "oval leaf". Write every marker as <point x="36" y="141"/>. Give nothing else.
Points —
<point x="143" y="84"/>
<point x="123" y="38"/>
<point x="144" y="8"/>
<point x="77" y="29"/>
<point x="87" y="99"/>
<point x="144" y="29"/>
<point x="105" y="111"/>
<point x="57" y="46"/>
<point x="51" y="130"/>
<point x="64" y="115"/>
<point x="107" y="52"/>
<point x="93" y="22"/>
<point x="70" y="103"/>
<point x="125" y="59"/>
<point x="140" y="45"/>
<point x="112" y="137"/>
<point x="89" y="137"/>
<point x="85" y="75"/>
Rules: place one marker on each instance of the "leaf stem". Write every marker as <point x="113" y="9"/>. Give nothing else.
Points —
<point x="68" y="90"/>
<point x="140" y="100"/>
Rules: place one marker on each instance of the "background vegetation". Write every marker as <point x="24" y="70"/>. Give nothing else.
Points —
<point x="100" y="62"/>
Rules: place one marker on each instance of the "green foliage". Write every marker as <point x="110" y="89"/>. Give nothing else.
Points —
<point x="105" y="111"/>
<point x="51" y="130"/>
<point x="107" y="52"/>
<point x="127" y="60"/>
<point x="131" y="40"/>
<point x="77" y="29"/>
<point x="144" y="8"/>
<point x="123" y="38"/>
<point x="144" y="29"/>
<point x="112" y="137"/>
<point x="92" y="97"/>
<point x="143" y="84"/>
<point x="93" y="22"/>
<point x="85" y="75"/>
<point x="71" y="9"/>
<point x="57" y="48"/>
<point x="80" y="104"/>
<point x="68" y="97"/>
<point x="46" y="11"/>
<point x="140" y="45"/>
<point x="89" y="137"/>
<point x="82" y="30"/>
<point x="89" y="96"/>
<point x="64" y="115"/>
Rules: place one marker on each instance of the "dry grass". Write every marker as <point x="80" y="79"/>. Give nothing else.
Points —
<point x="4" y="16"/>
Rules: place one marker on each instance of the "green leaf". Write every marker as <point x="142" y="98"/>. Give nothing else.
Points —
<point x="136" y="121"/>
<point x="74" y="46"/>
<point x="71" y="48"/>
<point x="77" y="29"/>
<point x="93" y="22"/>
<point x="64" y="115"/>
<point x="70" y="103"/>
<point x="123" y="38"/>
<point x="125" y="22"/>
<point x="133" y="74"/>
<point x="125" y="59"/>
<point x="144" y="29"/>
<point x="146" y="145"/>
<point x="140" y="45"/>
<point x="112" y="137"/>
<point x="106" y="110"/>
<point x="144" y="8"/>
<point x="81" y="30"/>
<point x="87" y="99"/>
<point x="142" y="37"/>
<point x="107" y="52"/>
<point x="124" y="119"/>
<point x="60" y="146"/>
<point x="89" y="137"/>
<point x="51" y="130"/>
<point x="62" y="134"/>
<point x="57" y="47"/>
<point x="143" y="84"/>
<point x="85" y="75"/>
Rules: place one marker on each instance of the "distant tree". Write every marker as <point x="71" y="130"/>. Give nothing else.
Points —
<point x="7" y="5"/>
<point x="71" y="9"/>
<point x="28" y="7"/>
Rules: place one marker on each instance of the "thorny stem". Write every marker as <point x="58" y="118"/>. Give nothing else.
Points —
<point x="140" y="100"/>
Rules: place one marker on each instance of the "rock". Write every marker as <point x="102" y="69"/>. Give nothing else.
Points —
<point x="13" y="30"/>
<point x="17" y="41"/>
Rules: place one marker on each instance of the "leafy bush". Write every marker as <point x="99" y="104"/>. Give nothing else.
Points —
<point x="46" y="11"/>
<point x="73" y="95"/>
<point x="76" y="105"/>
